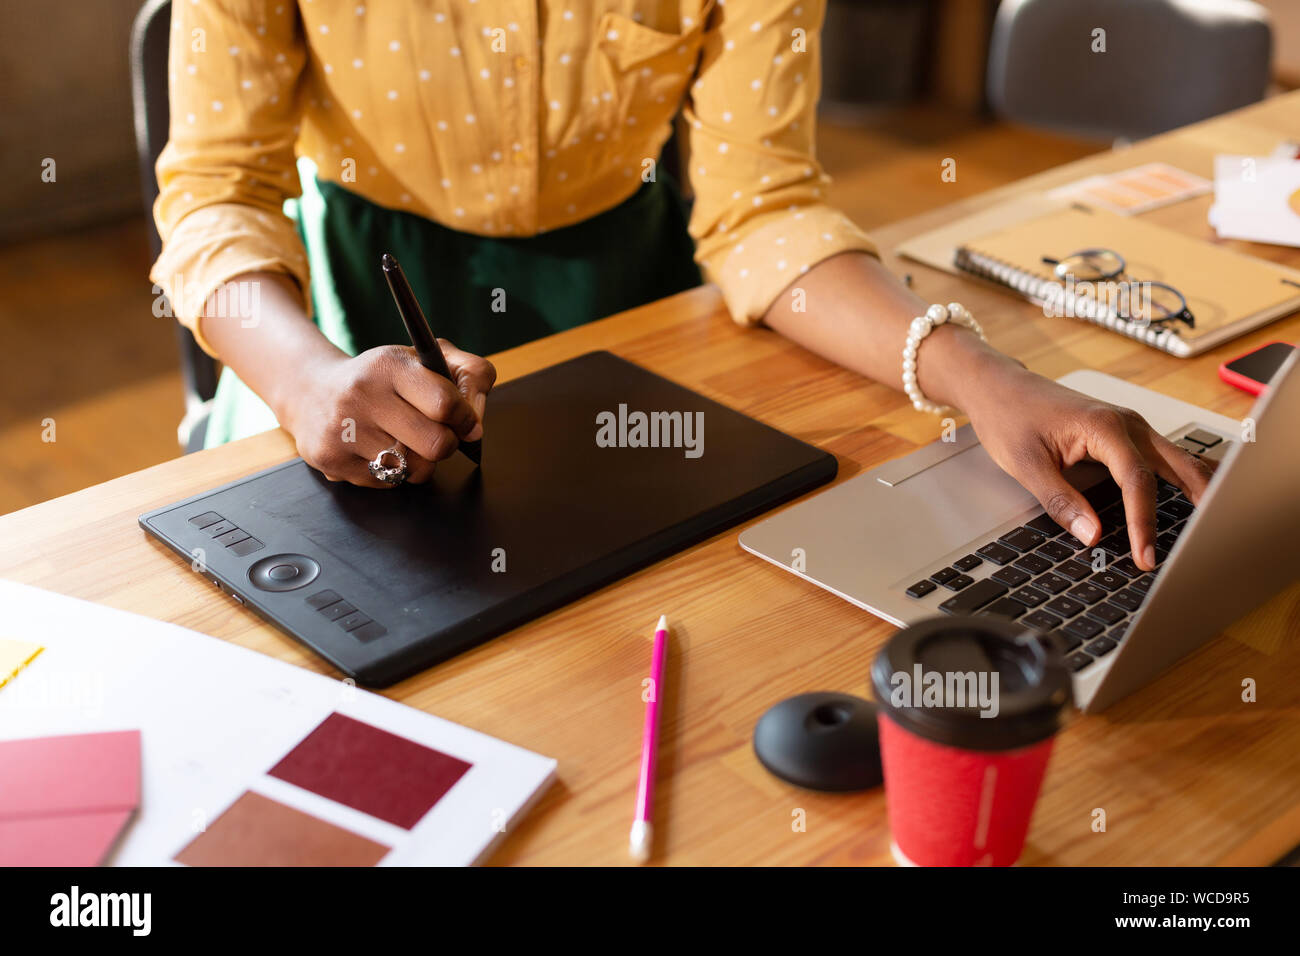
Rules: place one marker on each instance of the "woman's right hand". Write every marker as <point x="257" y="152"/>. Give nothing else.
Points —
<point x="348" y="410"/>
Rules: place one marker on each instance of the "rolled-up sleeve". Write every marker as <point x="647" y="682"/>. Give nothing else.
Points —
<point x="759" y="218"/>
<point x="229" y="163"/>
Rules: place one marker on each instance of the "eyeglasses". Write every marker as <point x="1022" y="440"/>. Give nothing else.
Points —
<point x="1140" y="302"/>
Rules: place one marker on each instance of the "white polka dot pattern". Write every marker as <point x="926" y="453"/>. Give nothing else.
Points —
<point x="501" y="124"/>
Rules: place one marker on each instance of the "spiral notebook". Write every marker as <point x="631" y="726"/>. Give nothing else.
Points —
<point x="1228" y="293"/>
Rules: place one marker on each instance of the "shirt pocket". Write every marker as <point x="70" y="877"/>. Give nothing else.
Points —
<point x="646" y="70"/>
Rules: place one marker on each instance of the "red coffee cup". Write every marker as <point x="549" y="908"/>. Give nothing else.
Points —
<point x="968" y="709"/>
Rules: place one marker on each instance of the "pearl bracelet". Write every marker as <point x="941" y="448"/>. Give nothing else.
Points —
<point x="922" y="326"/>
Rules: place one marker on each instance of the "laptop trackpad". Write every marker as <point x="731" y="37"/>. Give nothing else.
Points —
<point x="958" y="499"/>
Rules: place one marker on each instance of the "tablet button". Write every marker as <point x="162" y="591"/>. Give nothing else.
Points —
<point x="246" y="547"/>
<point x="221" y="527"/>
<point x="282" y="572"/>
<point x="323" y="599"/>
<point x="205" y="519"/>
<point x="352" y="621"/>
<point x="369" y="632"/>
<point x="232" y="537"/>
<point x="337" y="610"/>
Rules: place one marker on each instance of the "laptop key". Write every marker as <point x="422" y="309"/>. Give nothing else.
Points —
<point x="1022" y="539"/>
<point x="1117" y="632"/>
<point x="1178" y="507"/>
<point x="966" y="563"/>
<point x="1106" y="612"/>
<point x="1055" y="551"/>
<point x="1011" y="576"/>
<point x="1128" y="599"/>
<point x="1078" y="661"/>
<point x="1070" y="541"/>
<point x="1033" y="563"/>
<point x="1126" y="567"/>
<point x="1029" y="597"/>
<point x="1164" y="520"/>
<point x="1143" y="584"/>
<point x="1063" y="606"/>
<point x="1074" y="570"/>
<point x="1044" y="525"/>
<point x="1102" y="645"/>
<point x="943" y="575"/>
<point x="1041" y="620"/>
<point x="1166" y="541"/>
<point x="1109" y="580"/>
<point x="1103" y="494"/>
<point x="1052" y="583"/>
<point x="1165" y="491"/>
<point x="974" y="597"/>
<point x="1064" y="642"/>
<point x="1115" y="543"/>
<point x="1202" y="437"/>
<point x="1087" y="592"/>
<point x="997" y="553"/>
<point x="1005" y="608"/>
<point x="920" y="589"/>
<point x="959" y="582"/>
<point x="1084" y="627"/>
<point x="1112" y="518"/>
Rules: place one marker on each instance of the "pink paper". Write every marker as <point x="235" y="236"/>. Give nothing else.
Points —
<point x="64" y="800"/>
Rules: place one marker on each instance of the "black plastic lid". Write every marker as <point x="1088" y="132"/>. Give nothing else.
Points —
<point x="1032" y="682"/>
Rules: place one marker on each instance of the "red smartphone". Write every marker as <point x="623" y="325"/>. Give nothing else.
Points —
<point x="1252" y="371"/>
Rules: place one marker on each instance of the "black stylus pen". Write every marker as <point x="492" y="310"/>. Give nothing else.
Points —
<point x="422" y="337"/>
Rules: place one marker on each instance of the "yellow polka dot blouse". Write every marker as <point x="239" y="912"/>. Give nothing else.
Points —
<point x="494" y="117"/>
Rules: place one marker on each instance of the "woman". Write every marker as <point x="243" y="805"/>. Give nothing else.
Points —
<point x="507" y="153"/>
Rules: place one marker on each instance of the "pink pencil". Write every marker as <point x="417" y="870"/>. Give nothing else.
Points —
<point x="642" y="827"/>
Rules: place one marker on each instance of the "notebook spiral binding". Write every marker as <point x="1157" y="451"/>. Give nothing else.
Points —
<point x="1040" y="291"/>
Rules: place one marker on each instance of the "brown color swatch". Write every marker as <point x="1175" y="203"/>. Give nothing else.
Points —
<point x="258" y="831"/>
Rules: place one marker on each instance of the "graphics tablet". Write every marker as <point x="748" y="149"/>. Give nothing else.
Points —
<point x="591" y="469"/>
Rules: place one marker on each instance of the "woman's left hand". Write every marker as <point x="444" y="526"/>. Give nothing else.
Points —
<point x="1033" y="427"/>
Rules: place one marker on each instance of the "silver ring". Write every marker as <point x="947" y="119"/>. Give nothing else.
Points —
<point x="389" y="474"/>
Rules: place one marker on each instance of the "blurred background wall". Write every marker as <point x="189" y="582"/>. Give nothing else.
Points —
<point x="65" y="94"/>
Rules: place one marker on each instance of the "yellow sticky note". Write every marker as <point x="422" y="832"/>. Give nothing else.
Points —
<point x="14" y="656"/>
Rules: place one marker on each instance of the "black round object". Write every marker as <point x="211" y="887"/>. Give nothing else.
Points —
<point x="821" y="741"/>
<point x="1033" y="688"/>
<point x="283" y="572"/>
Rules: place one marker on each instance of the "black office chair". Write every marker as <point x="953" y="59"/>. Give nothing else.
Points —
<point x="1167" y="63"/>
<point x="149" y="44"/>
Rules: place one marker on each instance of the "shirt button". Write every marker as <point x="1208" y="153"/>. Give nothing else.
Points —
<point x="521" y="159"/>
<point x="521" y="62"/>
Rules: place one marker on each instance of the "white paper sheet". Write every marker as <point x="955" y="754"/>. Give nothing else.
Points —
<point x="215" y="717"/>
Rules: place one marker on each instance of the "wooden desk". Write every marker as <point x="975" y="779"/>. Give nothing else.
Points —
<point x="1185" y="771"/>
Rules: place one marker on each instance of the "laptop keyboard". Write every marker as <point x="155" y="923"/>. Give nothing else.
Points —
<point x="1048" y="579"/>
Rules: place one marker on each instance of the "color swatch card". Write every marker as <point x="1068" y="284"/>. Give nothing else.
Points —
<point x="247" y="761"/>
<point x="64" y="800"/>
<point x="1132" y="191"/>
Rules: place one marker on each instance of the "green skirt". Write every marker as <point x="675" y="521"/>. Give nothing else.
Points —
<point x="485" y="294"/>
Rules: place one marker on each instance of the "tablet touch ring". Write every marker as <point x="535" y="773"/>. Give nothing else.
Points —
<point x="283" y="572"/>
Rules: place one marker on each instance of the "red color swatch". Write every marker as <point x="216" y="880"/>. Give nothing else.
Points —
<point x="64" y="800"/>
<point x="370" y="770"/>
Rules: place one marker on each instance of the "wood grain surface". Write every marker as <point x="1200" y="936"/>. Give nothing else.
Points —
<point x="1185" y="771"/>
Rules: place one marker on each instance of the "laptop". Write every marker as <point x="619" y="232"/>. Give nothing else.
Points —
<point x="943" y="530"/>
<point x="591" y="469"/>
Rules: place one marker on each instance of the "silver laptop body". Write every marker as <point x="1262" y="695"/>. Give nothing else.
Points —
<point x="872" y="537"/>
